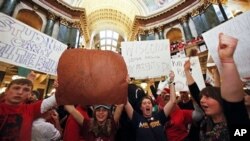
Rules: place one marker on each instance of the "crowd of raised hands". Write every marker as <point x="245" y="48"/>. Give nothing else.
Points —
<point x="219" y="109"/>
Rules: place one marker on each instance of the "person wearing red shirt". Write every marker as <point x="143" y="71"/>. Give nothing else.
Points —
<point x="73" y="131"/>
<point x="16" y="117"/>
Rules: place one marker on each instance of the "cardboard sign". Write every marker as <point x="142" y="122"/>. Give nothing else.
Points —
<point x="239" y="28"/>
<point x="91" y="77"/>
<point x="147" y="59"/>
<point x="24" y="46"/>
<point x="180" y="77"/>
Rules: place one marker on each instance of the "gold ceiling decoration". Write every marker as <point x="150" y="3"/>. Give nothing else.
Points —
<point x="218" y="1"/>
<point x="111" y="14"/>
<point x="121" y="16"/>
<point x="84" y="27"/>
<point x="76" y="24"/>
<point x="133" y="32"/>
<point x="51" y="16"/>
<point x="112" y="17"/>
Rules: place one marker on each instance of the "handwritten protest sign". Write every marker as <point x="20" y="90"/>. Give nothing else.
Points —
<point x="180" y="77"/>
<point x="147" y="59"/>
<point x="24" y="46"/>
<point x="239" y="28"/>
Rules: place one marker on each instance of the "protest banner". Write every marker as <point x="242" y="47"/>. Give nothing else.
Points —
<point x="21" y="45"/>
<point x="147" y="59"/>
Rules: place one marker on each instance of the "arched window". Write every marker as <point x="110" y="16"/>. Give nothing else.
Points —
<point x="109" y="40"/>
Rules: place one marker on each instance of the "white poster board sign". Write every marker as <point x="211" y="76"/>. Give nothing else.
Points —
<point x="24" y="46"/>
<point x="180" y="77"/>
<point x="238" y="27"/>
<point x="147" y="59"/>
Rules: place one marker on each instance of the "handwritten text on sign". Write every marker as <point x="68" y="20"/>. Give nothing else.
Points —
<point x="180" y="77"/>
<point x="239" y="28"/>
<point x="147" y="59"/>
<point x="24" y="46"/>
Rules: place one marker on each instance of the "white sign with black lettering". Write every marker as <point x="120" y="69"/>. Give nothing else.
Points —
<point x="147" y="59"/>
<point x="180" y="77"/>
<point x="24" y="46"/>
<point x="239" y="28"/>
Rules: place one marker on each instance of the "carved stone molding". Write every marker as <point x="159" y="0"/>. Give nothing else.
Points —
<point x="184" y="18"/>
<point x="141" y="32"/>
<point x="159" y="28"/>
<point x="76" y="25"/>
<point x="151" y="31"/>
<point x="195" y="12"/>
<point x="84" y="27"/>
<point x="135" y="31"/>
<point x="51" y="16"/>
<point x="217" y="1"/>
<point x="64" y="22"/>
<point x="110" y="15"/>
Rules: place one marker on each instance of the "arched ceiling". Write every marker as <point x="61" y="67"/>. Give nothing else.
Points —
<point x="127" y="17"/>
<point x="118" y="15"/>
<point x="111" y="19"/>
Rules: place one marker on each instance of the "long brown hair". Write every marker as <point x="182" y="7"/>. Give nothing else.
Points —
<point x="101" y="130"/>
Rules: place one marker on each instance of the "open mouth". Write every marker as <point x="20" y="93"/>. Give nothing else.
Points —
<point x="17" y="97"/>
<point x="204" y="107"/>
<point x="148" y="109"/>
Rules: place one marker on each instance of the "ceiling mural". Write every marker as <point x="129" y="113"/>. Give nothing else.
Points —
<point x="131" y="7"/>
<point x="157" y="5"/>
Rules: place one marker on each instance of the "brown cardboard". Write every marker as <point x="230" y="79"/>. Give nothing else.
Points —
<point x="90" y="77"/>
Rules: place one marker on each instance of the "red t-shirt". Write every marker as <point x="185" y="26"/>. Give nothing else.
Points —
<point x="160" y="102"/>
<point x="176" y="128"/>
<point x="73" y="130"/>
<point x="16" y="121"/>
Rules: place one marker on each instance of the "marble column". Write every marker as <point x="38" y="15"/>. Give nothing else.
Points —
<point x="151" y="34"/>
<point x="64" y="31"/>
<point x="80" y="41"/>
<point x="141" y="35"/>
<point x="9" y="6"/>
<point x="220" y="5"/>
<point x="160" y="32"/>
<point x="74" y="34"/>
<point x="184" y="23"/>
<point x="50" y="24"/>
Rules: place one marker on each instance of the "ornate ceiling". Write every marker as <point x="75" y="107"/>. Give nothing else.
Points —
<point x="126" y="17"/>
<point x="120" y="15"/>
<point x="117" y="15"/>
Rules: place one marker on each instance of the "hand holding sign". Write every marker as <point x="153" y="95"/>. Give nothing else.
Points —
<point x="31" y="76"/>
<point x="239" y="28"/>
<point x="187" y="65"/>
